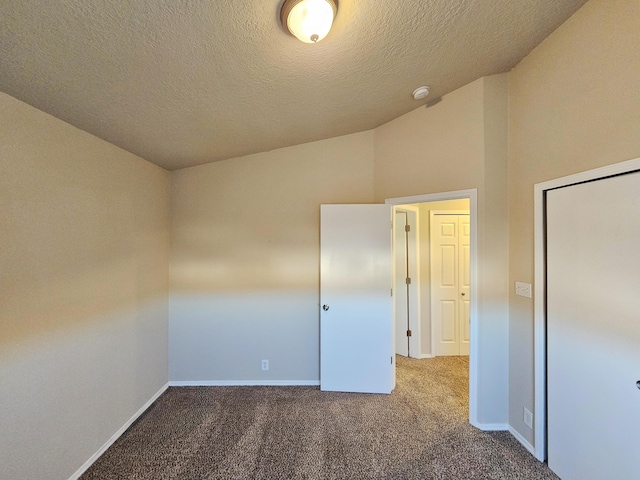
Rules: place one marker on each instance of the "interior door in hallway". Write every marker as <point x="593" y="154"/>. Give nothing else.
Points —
<point x="406" y="281"/>
<point x="593" y="329"/>
<point x="400" y="286"/>
<point x="356" y="321"/>
<point x="450" y="282"/>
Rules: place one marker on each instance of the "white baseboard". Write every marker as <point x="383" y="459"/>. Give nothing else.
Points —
<point x="426" y="355"/>
<point x="116" y="435"/>
<point x="522" y="440"/>
<point x="243" y="383"/>
<point x="491" y="427"/>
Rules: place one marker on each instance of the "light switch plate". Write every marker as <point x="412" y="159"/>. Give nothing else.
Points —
<point x="523" y="289"/>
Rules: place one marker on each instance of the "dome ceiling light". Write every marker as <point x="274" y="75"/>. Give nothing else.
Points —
<point x="308" y="20"/>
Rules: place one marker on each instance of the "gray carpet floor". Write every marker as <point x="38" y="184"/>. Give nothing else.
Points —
<point x="420" y="431"/>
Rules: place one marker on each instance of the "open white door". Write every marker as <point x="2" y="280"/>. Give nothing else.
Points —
<point x="356" y="322"/>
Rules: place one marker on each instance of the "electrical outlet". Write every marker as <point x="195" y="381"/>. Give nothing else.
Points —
<point x="265" y="364"/>
<point x="528" y="418"/>
<point x="523" y="289"/>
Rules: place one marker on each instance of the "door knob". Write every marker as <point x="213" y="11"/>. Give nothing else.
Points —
<point x="638" y="384"/>
<point x="462" y="294"/>
<point x="325" y="307"/>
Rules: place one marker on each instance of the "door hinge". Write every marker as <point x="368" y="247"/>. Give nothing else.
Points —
<point x="407" y="228"/>
<point x="408" y="333"/>
<point x="392" y="292"/>
<point x="408" y="281"/>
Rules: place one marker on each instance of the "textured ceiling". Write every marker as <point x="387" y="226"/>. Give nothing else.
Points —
<point x="186" y="82"/>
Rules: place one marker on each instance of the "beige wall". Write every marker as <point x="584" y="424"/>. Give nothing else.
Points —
<point x="493" y="255"/>
<point x="435" y="149"/>
<point x="461" y="143"/>
<point x="245" y="258"/>
<point x="574" y="105"/>
<point x="83" y="288"/>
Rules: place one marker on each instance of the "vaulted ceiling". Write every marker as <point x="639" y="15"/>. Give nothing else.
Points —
<point x="187" y="82"/>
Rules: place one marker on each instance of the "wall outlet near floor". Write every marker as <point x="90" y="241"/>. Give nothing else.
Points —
<point x="265" y="364"/>
<point x="528" y="418"/>
<point x="523" y="289"/>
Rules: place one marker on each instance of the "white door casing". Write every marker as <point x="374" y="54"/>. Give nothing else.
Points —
<point x="593" y="331"/>
<point x="356" y="317"/>
<point x="450" y="282"/>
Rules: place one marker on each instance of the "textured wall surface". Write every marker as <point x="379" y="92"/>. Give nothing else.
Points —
<point x="245" y="261"/>
<point x="574" y="105"/>
<point x="186" y="83"/>
<point x="83" y="291"/>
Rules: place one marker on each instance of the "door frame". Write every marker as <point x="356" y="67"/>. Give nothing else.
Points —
<point x="414" y="313"/>
<point x="432" y="213"/>
<point x="474" y="353"/>
<point x="540" y="289"/>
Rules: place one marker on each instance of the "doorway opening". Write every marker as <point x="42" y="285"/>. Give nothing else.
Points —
<point x="432" y="278"/>
<point x="414" y="277"/>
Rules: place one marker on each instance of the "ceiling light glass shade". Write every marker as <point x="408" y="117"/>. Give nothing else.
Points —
<point x="308" y="20"/>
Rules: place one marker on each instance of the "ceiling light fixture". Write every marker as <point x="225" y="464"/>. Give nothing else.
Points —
<point x="308" y="20"/>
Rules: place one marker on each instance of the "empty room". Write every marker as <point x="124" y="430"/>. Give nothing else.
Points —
<point x="319" y="239"/>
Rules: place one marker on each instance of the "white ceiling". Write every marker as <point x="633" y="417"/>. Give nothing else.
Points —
<point x="186" y="82"/>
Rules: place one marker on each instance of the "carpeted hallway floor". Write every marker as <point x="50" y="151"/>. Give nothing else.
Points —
<point x="420" y="431"/>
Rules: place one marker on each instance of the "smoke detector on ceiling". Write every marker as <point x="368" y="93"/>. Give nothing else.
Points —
<point x="421" y="92"/>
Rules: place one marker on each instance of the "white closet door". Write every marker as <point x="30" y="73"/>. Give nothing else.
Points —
<point x="593" y="329"/>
